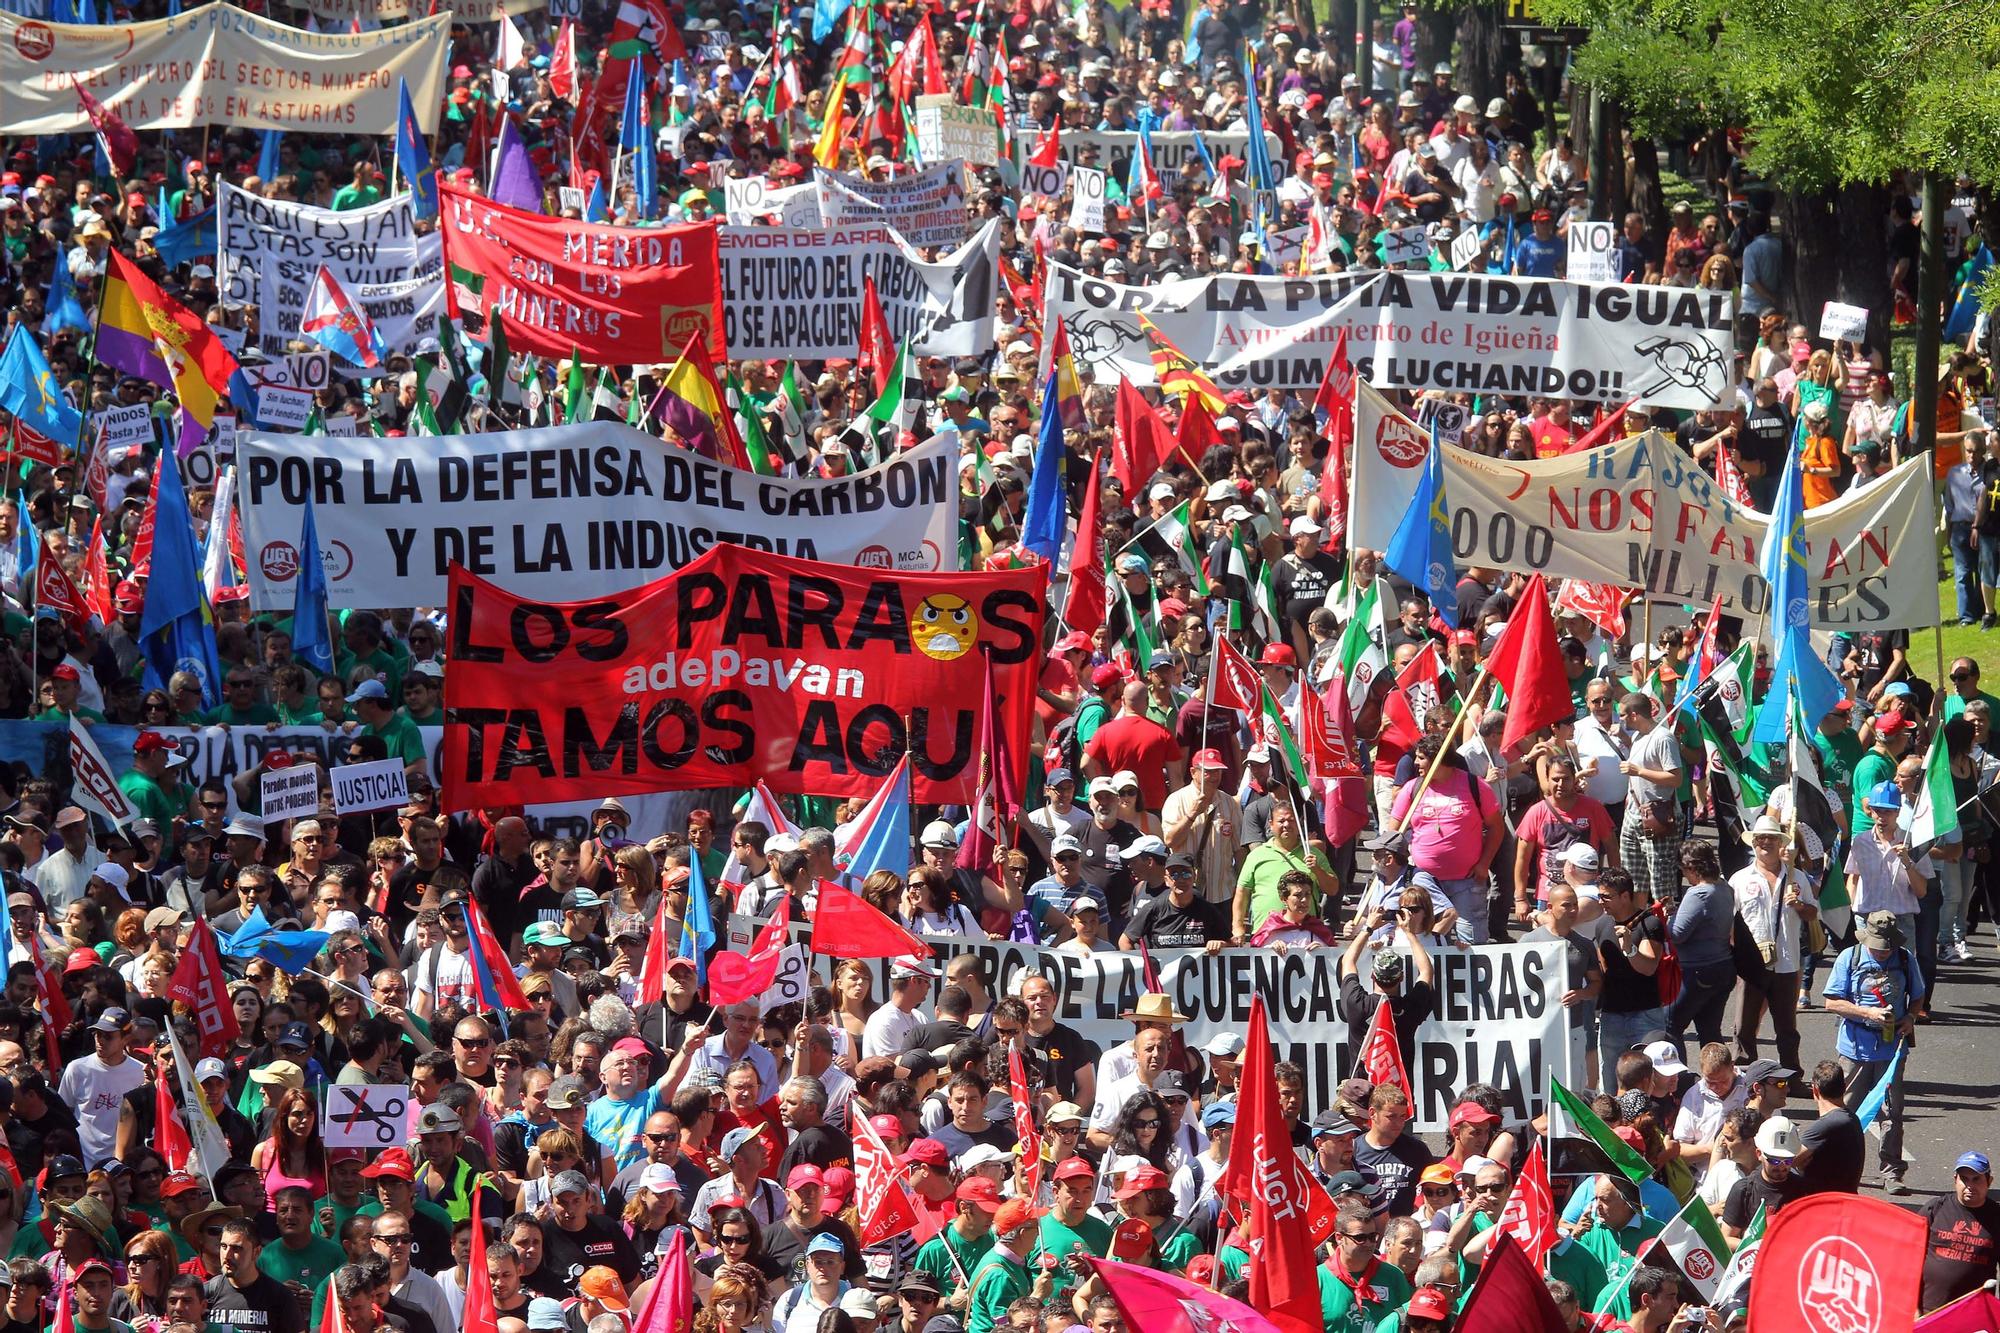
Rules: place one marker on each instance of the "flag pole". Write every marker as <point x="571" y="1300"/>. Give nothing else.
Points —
<point x="1450" y="735"/>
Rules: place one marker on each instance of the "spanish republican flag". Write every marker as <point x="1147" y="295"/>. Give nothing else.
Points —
<point x="692" y="405"/>
<point x="144" y="332"/>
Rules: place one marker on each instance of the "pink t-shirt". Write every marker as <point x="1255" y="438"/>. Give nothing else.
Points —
<point x="1449" y="825"/>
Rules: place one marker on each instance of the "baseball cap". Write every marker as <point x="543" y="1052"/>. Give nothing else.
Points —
<point x="1666" y="1058"/>
<point x="1760" y="1070"/>
<point x="368" y="689"/>
<point x="546" y="1313"/>
<point x="1581" y="855"/>
<point x="803" y="1175"/>
<point x="392" y="1162"/>
<point x="1472" y="1113"/>
<point x="112" y="1019"/>
<point x="1973" y="1161"/>
<point x="568" y="1182"/>
<point x="1210" y="759"/>
<point x="928" y="1152"/>
<point x="1074" y="1168"/>
<point x="981" y="1192"/>
<point x="733" y="1141"/>
<point x="204" y="1070"/>
<point x="1218" y="1113"/>
<point x="824" y="1243"/>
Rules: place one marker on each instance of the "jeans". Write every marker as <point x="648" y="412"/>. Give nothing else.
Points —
<point x="1989" y="561"/>
<point x="1779" y="994"/>
<point x="1930" y="915"/>
<point x="1862" y="1076"/>
<point x="1965" y="570"/>
<point x="1705" y="992"/>
<point x="1955" y="893"/>
<point x="1468" y="899"/>
<point x="1619" y="1033"/>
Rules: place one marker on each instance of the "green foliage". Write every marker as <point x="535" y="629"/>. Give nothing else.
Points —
<point x="1832" y="91"/>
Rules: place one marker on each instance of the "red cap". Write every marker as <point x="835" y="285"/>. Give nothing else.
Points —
<point x="803" y="1175"/>
<point x="886" y="1126"/>
<point x="1889" y="724"/>
<point x="1459" y="636"/>
<point x="629" y="1046"/>
<point x="1630" y="1136"/>
<point x="81" y="961"/>
<point x="1140" y="1179"/>
<point x="981" y="1192"/>
<point x="1107" y="673"/>
<point x="177" y="1183"/>
<point x="391" y="1162"/>
<point x="1278" y="654"/>
<point x="1209" y="759"/>
<point x="929" y="1152"/>
<point x="64" y="671"/>
<point x="340" y="1155"/>
<point x="152" y="741"/>
<point x="1472" y="1113"/>
<point x="1076" y="641"/>
<point x="1071" y="1168"/>
<point x="1132" y="1239"/>
<point x="1428" y="1303"/>
<point x="838" y="1182"/>
<point x="1844" y="706"/>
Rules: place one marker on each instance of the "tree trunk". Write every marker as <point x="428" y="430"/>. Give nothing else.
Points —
<point x="1643" y="191"/>
<point x="1484" y="53"/>
<point x="1838" y="250"/>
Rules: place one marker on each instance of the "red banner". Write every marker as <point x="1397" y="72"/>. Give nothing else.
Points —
<point x="743" y="665"/>
<point x="1839" y="1263"/>
<point x="881" y="1201"/>
<point x="198" y="983"/>
<point x="617" y="295"/>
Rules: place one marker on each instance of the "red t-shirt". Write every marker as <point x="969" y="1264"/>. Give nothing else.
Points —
<point x="1550" y="438"/>
<point x="1141" y="745"/>
<point x="1550" y="832"/>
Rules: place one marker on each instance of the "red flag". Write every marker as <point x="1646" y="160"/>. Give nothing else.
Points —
<point x="881" y="1200"/>
<point x="96" y="585"/>
<point x="996" y="798"/>
<point x="31" y="443"/>
<point x="1083" y="608"/>
<point x="1831" y="1263"/>
<point x="142" y="540"/>
<point x="498" y="987"/>
<point x="1336" y="396"/>
<point x="65" y="1319"/>
<point x="1140" y="440"/>
<point x="734" y="978"/>
<point x="562" y="65"/>
<point x="669" y="1304"/>
<point x="120" y="144"/>
<point x="1326" y="731"/>
<point x="1236" y="684"/>
<point x="170" y="1134"/>
<point x="1163" y="1303"/>
<point x="1703" y="660"/>
<point x="1048" y="149"/>
<point x="481" y="1311"/>
<point x="844" y="925"/>
<point x="1509" y="1295"/>
<point x="1381" y="1059"/>
<point x="1730" y="477"/>
<point x="1024" y="1123"/>
<point x="1266" y="1176"/>
<point x="1529" y="667"/>
<point x="659" y="952"/>
<point x="1530" y="1214"/>
<point x="198" y="983"/>
<point x="55" y="1008"/>
<point x="1600" y="430"/>
<point x="55" y="589"/>
<point x="1603" y="604"/>
<point x="877" y="352"/>
<point x="1196" y="434"/>
<point x="1419" y="689"/>
<point x="96" y="473"/>
<point x="1976" y="1313"/>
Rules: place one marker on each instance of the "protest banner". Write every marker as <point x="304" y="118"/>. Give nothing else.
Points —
<point x="1537" y="336"/>
<point x="126" y="424"/>
<point x="281" y="407"/>
<point x="271" y="249"/>
<point x="753" y="197"/>
<point x="926" y="208"/>
<point x="566" y="512"/>
<point x="796" y="293"/>
<point x="947" y="129"/>
<point x="1497" y="1017"/>
<point x="1044" y="182"/>
<point x="288" y="793"/>
<point x="1639" y="513"/>
<point x="1086" y="202"/>
<point x="617" y="296"/>
<point x="343" y="13"/>
<point x="1590" y="247"/>
<point x="381" y="784"/>
<point x="742" y="666"/>
<point x="219" y="65"/>
<point x="1839" y="322"/>
<point x="1111" y="150"/>
<point x="368" y="1116"/>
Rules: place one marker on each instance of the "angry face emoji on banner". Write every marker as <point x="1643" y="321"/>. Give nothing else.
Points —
<point x="946" y="627"/>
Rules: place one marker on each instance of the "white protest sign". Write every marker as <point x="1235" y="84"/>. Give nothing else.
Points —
<point x="1638" y="513"/>
<point x="198" y="468"/>
<point x="343" y="427"/>
<point x="1839" y="322"/>
<point x="925" y="208"/>
<point x="1171" y="149"/>
<point x="271" y="249"/>
<point x="283" y="408"/>
<point x="223" y="437"/>
<point x="565" y="9"/>
<point x="380" y="784"/>
<point x="793" y="981"/>
<point x="127" y="423"/>
<point x="745" y="201"/>
<point x="945" y="130"/>
<point x="1405" y="245"/>
<point x="289" y="793"/>
<point x="796" y="292"/>
<point x="311" y="371"/>
<point x="1465" y="248"/>
<point x="1086" y="205"/>
<point x="1590" y="252"/>
<point x="369" y="1116"/>
<point x="566" y="512"/>
<point x="1047" y="182"/>
<point x="568" y="197"/>
<point x="229" y="337"/>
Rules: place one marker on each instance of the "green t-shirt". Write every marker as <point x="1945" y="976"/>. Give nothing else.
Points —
<point x="1568" y="1261"/>
<point x="1345" y="1309"/>
<point x="306" y="716"/>
<point x="1837" y="757"/>
<point x="1178" y="1251"/>
<point x="997" y="1284"/>
<point x="1872" y="768"/>
<point x="1060" y="1239"/>
<point x="382" y="662"/>
<point x="150" y="798"/>
<point x="373" y="1208"/>
<point x="1955" y="706"/>
<point x="935" y="1258"/>
<point x="352" y="196"/>
<point x="341" y="1212"/>
<point x="309" y="1266"/>
<point x="401" y="736"/>
<point x="434" y="718"/>
<point x="256" y="715"/>
<point x="57" y="715"/>
<point x="1616" y="1252"/>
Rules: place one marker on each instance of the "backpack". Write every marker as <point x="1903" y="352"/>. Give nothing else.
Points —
<point x="1064" y="750"/>
<point x="1668" y="974"/>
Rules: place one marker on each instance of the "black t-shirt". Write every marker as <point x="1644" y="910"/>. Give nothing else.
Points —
<point x="1752" y="1192"/>
<point x="1302" y="584"/>
<point x="1839" y="1153"/>
<point x="265" y="1306"/>
<point x="1766" y="435"/>
<point x="1626" y="991"/>
<point x="1989" y="482"/>
<point x="1876" y="649"/>
<point x="1959" y="1253"/>
<point x="1407" y="1010"/>
<point x="940" y="1032"/>
<point x="785" y="1245"/>
<point x="822" y="1146"/>
<point x="430" y="1243"/>
<point x="1160" y="925"/>
<point x="599" y="1240"/>
<point x="1395" y="1169"/>
<point x="1064" y="1051"/>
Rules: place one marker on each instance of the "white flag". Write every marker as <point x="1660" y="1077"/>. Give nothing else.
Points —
<point x="93" y="786"/>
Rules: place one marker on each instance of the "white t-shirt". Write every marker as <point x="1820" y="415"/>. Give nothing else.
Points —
<point x="446" y="976"/>
<point x="1659" y="750"/>
<point x="93" y="1091"/>
<point x="890" y="1031"/>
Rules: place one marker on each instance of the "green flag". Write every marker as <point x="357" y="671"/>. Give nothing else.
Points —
<point x="1697" y="1245"/>
<point x="1272" y="726"/>
<point x="573" y="388"/>
<point x="1171" y="537"/>
<point x="1364" y="643"/>
<point x="501" y="387"/>
<point x="1742" y="1264"/>
<point x="1254" y="607"/>
<point x="1579" y="1140"/>
<point x="1934" y="814"/>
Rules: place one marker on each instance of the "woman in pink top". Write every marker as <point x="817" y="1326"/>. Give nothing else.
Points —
<point x="1454" y="832"/>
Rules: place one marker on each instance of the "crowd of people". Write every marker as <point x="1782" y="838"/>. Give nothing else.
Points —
<point x="598" y="1146"/>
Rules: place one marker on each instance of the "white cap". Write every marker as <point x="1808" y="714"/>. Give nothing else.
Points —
<point x="659" y="1178"/>
<point x="1231" y="423"/>
<point x="1581" y="855"/>
<point x="981" y="1154"/>
<point x="1219" y="491"/>
<point x="779" y="843"/>
<point x="1303" y="524"/>
<point x="204" y="1070"/>
<point x="1778" y="1137"/>
<point x="1237" y="514"/>
<point x="1162" y="491"/>
<point x="114" y="875"/>
<point x="1666" y="1058"/>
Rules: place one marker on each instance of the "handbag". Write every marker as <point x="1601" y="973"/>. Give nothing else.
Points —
<point x="1658" y="818"/>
